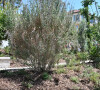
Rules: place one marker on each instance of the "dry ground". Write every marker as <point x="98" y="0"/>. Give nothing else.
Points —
<point x="31" y="80"/>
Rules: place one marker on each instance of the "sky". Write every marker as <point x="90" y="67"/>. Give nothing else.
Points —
<point x="75" y="4"/>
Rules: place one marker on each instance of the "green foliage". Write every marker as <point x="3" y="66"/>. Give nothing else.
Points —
<point x="46" y="76"/>
<point x="27" y="85"/>
<point x="95" y="52"/>
<point x="74" y="79"/>
<point x="86" y="3"/>
<point x="73" y="62"/>
<point x="75" y="68"/>
<point x="39" y="32"/>
<point x="13" y="3"/>
<point x="82" y="55"/>
<point x="95" y="77"/>
<point x="85" y="11"/>
<point x="7" y="49"/>
<point x="81" y="35"/>
<point x="91" y="75"/>
<point x="87" y="71"/>
<point x="3" y="55"/>
<point x="60" y="70"/>
<point x="2" y="25"/>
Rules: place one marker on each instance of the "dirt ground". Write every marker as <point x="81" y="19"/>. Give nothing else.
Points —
<point x="31" y="80"/>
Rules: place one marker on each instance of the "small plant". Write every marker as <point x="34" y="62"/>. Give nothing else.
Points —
<point x="73" y="62"/>
<point x="95" y="77"/>
<point x="60" y="70"/>
<point x="75" y="68"/>
<point x="94" y="52"/>
<point x="87" y="71"/>
<point x="82" y="55"/>
<point x="46" y="76"/>
<point x="74" y="79"/>
<point x="7" y="49"/>
<point x="27" y="85"/>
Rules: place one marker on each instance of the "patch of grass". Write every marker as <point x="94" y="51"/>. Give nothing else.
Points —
<point x="46" y="76"/>
<point x="82" y="55"/>
<point x="95" y="77"/>
<point x="87" y="72"/>
<point x="73" y="62"/>
<point x="91" y="75"/>
<point x="75" y="68"/>
<point x="60" y="70"/>
<point x="74" y="79"/>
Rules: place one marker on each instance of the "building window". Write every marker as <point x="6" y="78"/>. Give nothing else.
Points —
<point x="82" y="17"/>
<point x="76" y="17"/>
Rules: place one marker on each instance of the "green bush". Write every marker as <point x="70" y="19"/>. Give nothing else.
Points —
<point x="46" y="76"/>
<point x="95" y="52"/>
<point x="95" y="77"/>
<point x="82" y="55"/>
<point x="39" y="32"/>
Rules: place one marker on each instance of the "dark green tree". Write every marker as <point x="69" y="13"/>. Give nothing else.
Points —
<point x="86" y="13"/>
<point x="4" y="19"/>
<point x="13" y="3"/>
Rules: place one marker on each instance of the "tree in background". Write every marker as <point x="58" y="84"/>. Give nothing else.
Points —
<point x="86" y="13"/>
<point x="2" y="25"/>
<point x="4" y="19"/>
<point x="81" y="35"/>
<point x="92" y="32"/>
<point x="13" y="3"/>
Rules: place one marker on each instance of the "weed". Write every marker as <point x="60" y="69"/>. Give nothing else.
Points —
<point x="27" y="85"/>
<point x="73" y="62"/>
<point x="92" y="76"/>
<point x="74" y="79"/>
<point x="95" y="77"/>
<point x="60" y="70"/>
<point x="82" y="55"/>
<point x="46" y="76"/>
<point x="75" y="68"/>
<point x="87" y="72"/>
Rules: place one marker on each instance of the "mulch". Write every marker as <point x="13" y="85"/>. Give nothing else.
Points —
<point x="31" y="80"/>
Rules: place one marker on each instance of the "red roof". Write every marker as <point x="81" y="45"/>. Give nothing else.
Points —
<point x="76" y="11"/>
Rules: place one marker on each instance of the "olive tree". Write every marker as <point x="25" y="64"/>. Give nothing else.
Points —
<point x="38" y="33"/>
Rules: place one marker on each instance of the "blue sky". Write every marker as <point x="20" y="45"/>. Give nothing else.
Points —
<point x="76" y="4"/>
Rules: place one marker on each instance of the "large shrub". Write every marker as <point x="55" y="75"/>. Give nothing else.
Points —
<point x="38" y="33"/>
